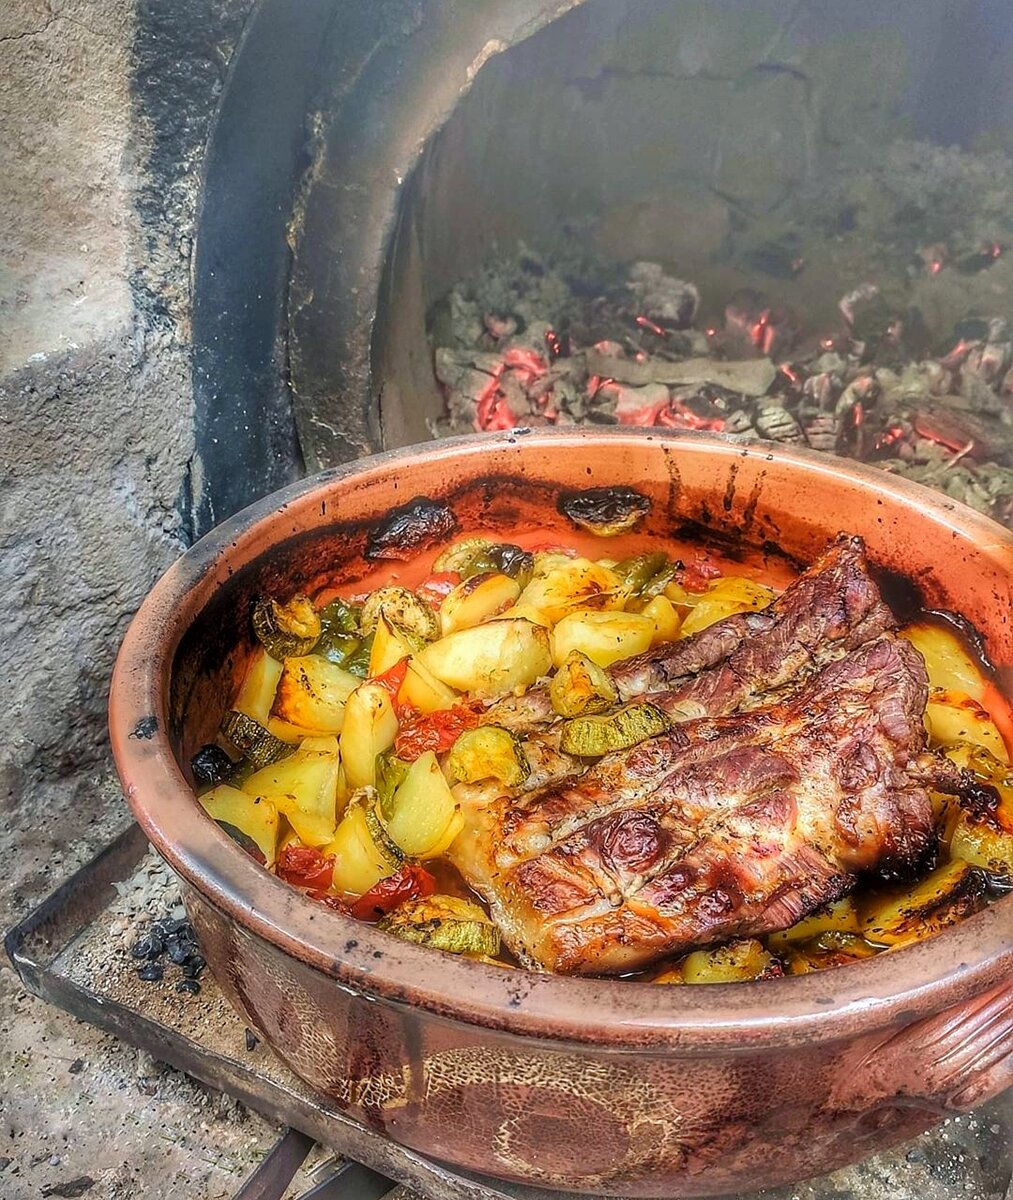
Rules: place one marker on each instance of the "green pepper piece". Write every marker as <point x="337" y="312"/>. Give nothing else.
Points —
<point x="390" y="773"/>
<point x="502" y="558"/>
<point x="638" y="571"/>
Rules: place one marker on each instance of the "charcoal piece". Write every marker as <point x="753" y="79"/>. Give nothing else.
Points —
<point x="866" y="312"/>
<point x="739" y="422"/>
<point x="188" y="987"/>
<point x="151" y="972"/>
<point x="981" y="259"/>
<point x="70" y="1188"/>
<point x="193" y="966"/>
<point x="749" y="377"/>
<point x="168" y="926"/>
<point x="662" y="298"/>
<point x="252" y="1041"/>
<point x="970" y="329"/>
<point x="776" y="259"/>
<point x="149" y="946"/>
<point x="821" y="431"/>
<point x="776" y="423"/>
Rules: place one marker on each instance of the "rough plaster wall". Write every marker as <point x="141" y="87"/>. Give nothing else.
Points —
<point x="65" y="180"/>
<point x="95" y="411"/>
<point x="98" y="187"/>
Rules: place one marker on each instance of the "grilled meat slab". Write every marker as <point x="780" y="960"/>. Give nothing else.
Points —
<point x="724" y="827"/>
<point x="734" y="664"/>
<point x="830" y="609"/>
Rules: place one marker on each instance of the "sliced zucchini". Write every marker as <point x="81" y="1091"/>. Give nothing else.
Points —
<point x="735" y="962"/>
<point x="490" y="659"/>
<point x="402" y="608"/>
<point x="981" y="763"/>
<point x="286" y="630"/>
<point x="951" y="892"/>
<point x="839" y="917"/>
<point x="830" y="950"/>
<point x="304" y="787"/>
<point x="388" y="848"/>
<point x="488" y="752"/>
<point x="444" y="923"/>
<point x="260" y="683"/>
<point x="476" y="599"/>
<point x="370" y="728"/>
<point x="581" y="688"/>
<point x="422" y="810"/>
<point x="949" y="665"/>
<point x="291" y="734"/>
<point x="604" y="638"/>
<point x="256" y="743"/>
<point x="359" y="864"/>
<point x="312" y="693"/>
<point x="984" y="837"/>
<point x="591" y="737"/>
<point x="255" y="817"/>
<point x="458" y="556"/>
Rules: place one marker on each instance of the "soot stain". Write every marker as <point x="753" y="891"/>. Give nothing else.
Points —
<point x="145" y="729"/>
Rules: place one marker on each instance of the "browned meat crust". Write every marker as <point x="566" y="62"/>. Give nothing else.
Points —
<point x="725" y="827"/>
<point x="830" y="609"/>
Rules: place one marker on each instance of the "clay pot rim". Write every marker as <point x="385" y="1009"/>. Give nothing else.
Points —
<point x="825" y="1006"/>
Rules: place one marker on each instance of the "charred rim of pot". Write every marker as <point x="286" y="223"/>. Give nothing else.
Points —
<point x="825" y="1006"/>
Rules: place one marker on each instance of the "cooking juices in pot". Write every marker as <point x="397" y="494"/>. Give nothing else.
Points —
<point x="621" y="757"/>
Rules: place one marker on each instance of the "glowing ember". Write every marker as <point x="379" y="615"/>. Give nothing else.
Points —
<point x="867" y="389"/>
<point x="647" y="323"/>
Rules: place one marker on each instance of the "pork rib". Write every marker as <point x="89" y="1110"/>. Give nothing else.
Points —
<point x="725" y="827"/>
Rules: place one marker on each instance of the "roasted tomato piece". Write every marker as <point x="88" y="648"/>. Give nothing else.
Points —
<point x="305" y="867"/>
<point x="409" y="882"/>
<point x="392" y="678"/>
<point x="696" y="575"/>
<point x="438" y="586"/>
<point x="436" y="731"/>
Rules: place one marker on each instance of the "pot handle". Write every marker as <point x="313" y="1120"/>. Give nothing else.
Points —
<point x="949" y="1062"/>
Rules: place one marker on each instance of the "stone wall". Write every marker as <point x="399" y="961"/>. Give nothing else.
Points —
<point x="106" y="106"/>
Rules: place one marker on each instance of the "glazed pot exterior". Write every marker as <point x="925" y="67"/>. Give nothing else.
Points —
<point x="688" y="1091"/>
<point x="665" y="1122"/>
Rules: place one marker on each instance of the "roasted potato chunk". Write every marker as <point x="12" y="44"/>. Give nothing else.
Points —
<point x="604" y="638"/>
<point x="723" y="598"/>
<point x="949" y="893"/>
<point x="490" y="659"/>
<point x="304" y="787"/>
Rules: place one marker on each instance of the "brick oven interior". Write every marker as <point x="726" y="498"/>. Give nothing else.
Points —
<point x="246" y="240"/>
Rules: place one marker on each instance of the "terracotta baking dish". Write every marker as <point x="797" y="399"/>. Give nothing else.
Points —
<point x="588" y="1085"/>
